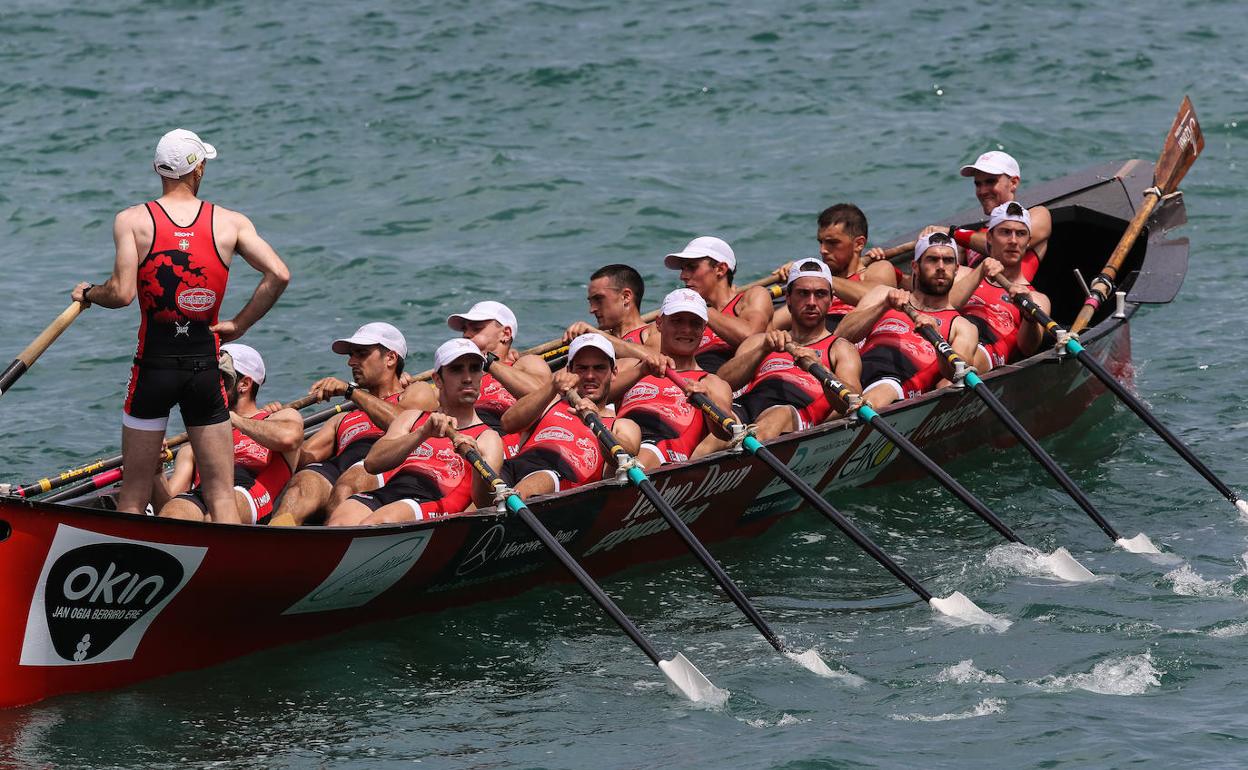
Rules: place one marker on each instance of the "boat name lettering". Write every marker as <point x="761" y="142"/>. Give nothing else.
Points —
<point x="634" y="530"/>
<point x="714" y="482"/>
<point x="529" y="546"/>
<point x="943" y="421"/>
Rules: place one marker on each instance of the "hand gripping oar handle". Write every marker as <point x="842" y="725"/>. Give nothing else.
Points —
<point x="852" y="401"/>
<point x="27" y="357"/>
<point x="786" y="474"/>
<point x="1183" y="145"/>
<point x="639" y="479"/>
<point x="696" y="691"/>
<point x="1033" y="310"/>
<point x="1025" y="438"/>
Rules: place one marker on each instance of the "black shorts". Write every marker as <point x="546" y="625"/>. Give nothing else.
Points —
<point x="193" y="383"/>
<point x="516" y="468"/>
<point x="405" y="486"/>
<point x="711" y="360"/>
<point x="886" y="361"/>
<point x="335" y="466"/>
<point x="767" y="394"/>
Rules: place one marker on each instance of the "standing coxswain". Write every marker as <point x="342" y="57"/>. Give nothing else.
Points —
<point x="179" y="273"/>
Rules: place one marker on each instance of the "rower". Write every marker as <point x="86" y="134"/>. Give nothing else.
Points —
<point x="671" y="427"/>
<point x="427" y="477"/>
<point x="508" y="375"/>
<point x="842" y="236"/>
<point x="559" y="451"/>
<point x="179" y="274"/>
<point x="1003" y="334"/>
<point x="332" y="459"/>
<point x="614" y="294"/>
<point x="266" y="447"/>
<point x="781" y="397"/>
<point x="707" y="265"/>
<point x="897" y="362"/>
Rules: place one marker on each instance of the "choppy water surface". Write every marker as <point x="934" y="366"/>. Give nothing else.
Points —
<point x="408" y="159"/>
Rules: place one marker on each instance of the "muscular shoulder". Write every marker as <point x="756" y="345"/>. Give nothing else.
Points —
<point x="880" y="273"/>
<point x="532" y="364"/>
<point x="419" y="395"/>
<point x="228" y="218"/>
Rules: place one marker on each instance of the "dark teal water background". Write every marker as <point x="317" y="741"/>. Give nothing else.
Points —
<point x="408" y="159"/>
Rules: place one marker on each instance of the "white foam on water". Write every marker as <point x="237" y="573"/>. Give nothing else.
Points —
<point x="1231" y="631"/>
<point x="1187" y="582"/>
<point x="983" y="708"/>
<point x="1025" y="560"/>
<point x="812" y="537"/>
<point x="811" y="661"/>
<point x="959" y="610"/>
<point x="1130" y="675"/>
<point x="966" y="673"/>
<point x="784" y="721"/>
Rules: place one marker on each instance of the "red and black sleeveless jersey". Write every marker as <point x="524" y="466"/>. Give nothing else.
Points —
<point x="635" y="336"/>
<point x="779" y="368"/>
<point x="894" y="349"/>
<point x="563" y="437"/>
<point x="665" y="416"/>
<point x="356" y="425"/>
<point x="715" y="350"/>
<point x="263" y="464"/>
<point x="181" y="282"/>
<point x="446" y="475"/>
<point x="998" y="320"/>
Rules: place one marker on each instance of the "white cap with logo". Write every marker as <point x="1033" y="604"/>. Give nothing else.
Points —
<point x="179" y="152"/>
<point x="376" y="333"/>
<point x="485" y="311"/>
<point x="935" y="239"/>
<point x="705" y="246"/>
<point x="1010" y="211"/>
<point x="590" y="340"/>
<point x="684" y="301"/>
<point x="246" y="360"/>
<point x="993" y="162"/>
<point x="452" y="350"/>
<point x="808" y="268"/>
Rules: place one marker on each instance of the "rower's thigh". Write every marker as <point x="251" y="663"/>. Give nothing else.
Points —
<point x="775" y="420"/>
<point x="181" y="508"/>
<point x="352" y="481"/>
<point x="537" y="483"/>
<point x="349" y="513"/>
<point x="398" y="512"/>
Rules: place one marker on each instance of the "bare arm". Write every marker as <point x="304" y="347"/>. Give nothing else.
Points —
<point x="963" y="337"/>
<point x="398" y="442"/>
<point x="857" y="324"/>
<point x="529" y="408"/>
<point x="122" y="285"/>
<point x="965" y="283"/>
<point x="739" y="370"/>
<point x="490" y="447"/>
<point x="261" y="256"/>
<point x="753" y="316"/>
<point x="527" y="374"/>
<point x="281" y="432"/>
<point x="721" y="396"/>
<point x="320" y="445"/>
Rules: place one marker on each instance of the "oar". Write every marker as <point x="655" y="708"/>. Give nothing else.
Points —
<point x="50" y="483"/>
<point x="680" y="673"/>
<point x="27" y="357"/>
<point x="809" y="659"/>
<point x="1133" y="403"/>
<point x="1060" y="562"/>
<point x="956" y="605"/>
<point x="1138" y="544"/>
<point x="112" y="467"/>
<point x="1183" y="144"/>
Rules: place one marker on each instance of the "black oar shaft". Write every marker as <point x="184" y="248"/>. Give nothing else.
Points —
<point x="713" y="567"/>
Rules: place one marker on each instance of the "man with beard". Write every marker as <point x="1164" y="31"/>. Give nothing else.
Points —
<point x="266" y="447"/>
<point x="1003" y="334"/>
<point x="897" y="362"/>
<point x="427" y="477"/>
<point x="780" y="397"/>
<point x="559" y="451"/>
<point x="332" y="459"/>
<point x="179" y="273"/>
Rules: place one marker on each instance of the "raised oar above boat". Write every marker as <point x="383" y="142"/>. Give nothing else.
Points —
<point x="1138" y="544"/>
<point x="1060" y="562"/>
<point x="955" y="605"/>
<point x="26" y="359"/>
<point x="682" y="675"/>
<point x="626" y="462"/>
<point x="1071" y="343"/>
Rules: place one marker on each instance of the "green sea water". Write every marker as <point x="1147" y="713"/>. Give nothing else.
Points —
<point x="409" y="159"/>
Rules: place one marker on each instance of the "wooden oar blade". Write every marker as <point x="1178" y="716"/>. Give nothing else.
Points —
<point x="687" y="680"/>
<point x="958" y="607"/>
<point x="1183" y="144"/>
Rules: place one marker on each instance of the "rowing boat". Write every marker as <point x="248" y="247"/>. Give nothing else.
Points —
<point x="96" y="599"/>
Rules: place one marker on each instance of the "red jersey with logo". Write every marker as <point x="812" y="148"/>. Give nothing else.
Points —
<point x="493" y="401"/>
<point x="715" y="350"/>
<point x="998" y="320"/>
<point x="636" y="335"/>
<point x="778" y="379"/>
<point x="893" y="349"/>
<point x="181" y="282"/>
<point x="356" y="425"/>
<point x="444" y="476"/>
<point x="567" y="443"/>
<point x="667" y="419"/>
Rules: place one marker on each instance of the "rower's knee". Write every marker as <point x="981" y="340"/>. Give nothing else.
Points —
<point x="775" y="421"/>
<point x="354" y="481"/>
<point x="350" y="513"/>
<point x="540" y="483"/>
<point x="181" y="508"/>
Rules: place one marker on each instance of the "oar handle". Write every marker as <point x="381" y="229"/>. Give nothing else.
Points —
<point x="27" y="357"/>
<point x="849" y="399"/>
<point x="940" y="343"/>
<point x="726" y="421"/>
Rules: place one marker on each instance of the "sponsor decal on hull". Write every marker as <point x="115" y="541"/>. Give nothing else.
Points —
<point x="98" y="594"/>
<point x="370" y="566"/>
<point x="492" y="546"/>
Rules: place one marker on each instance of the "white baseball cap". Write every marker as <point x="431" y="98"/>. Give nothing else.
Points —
<point x="591" y="340"/>
<point x="705" y="246"/>
<point x="452" y="350"/>
<point x="935" y="239"/>
<point x="993" y="162"/>
<point x="485" y="311"/>
<point x="684" y="301"/>
<point x="179" y="152"/>
<point x="808" y="268"/>
<point x="1010" y="211"/>
<point x="246" y="360"/>
<point x="376" y="333"/>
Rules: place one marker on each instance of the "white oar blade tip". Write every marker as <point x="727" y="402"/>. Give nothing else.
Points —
<point x="1138" y="544"/>
<point x="688" y="681"/>
<point x="958" y="607"/>
<point x="812" y="662"/>
<point x="1068" y="567"/>
<point x="1242" y="505"/>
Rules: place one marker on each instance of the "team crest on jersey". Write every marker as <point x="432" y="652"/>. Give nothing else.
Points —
<point x="181" y="329"/>
<point x="892" y="327"/>
<point x="353" y="431"/>
<point x="554" y="433"/>
<point x="642" y="391"/>
<point x="197" y="300"/>
<point x="184" y="244"/>
<point x="422" y="452"/>
<point x="775" y="365"/>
